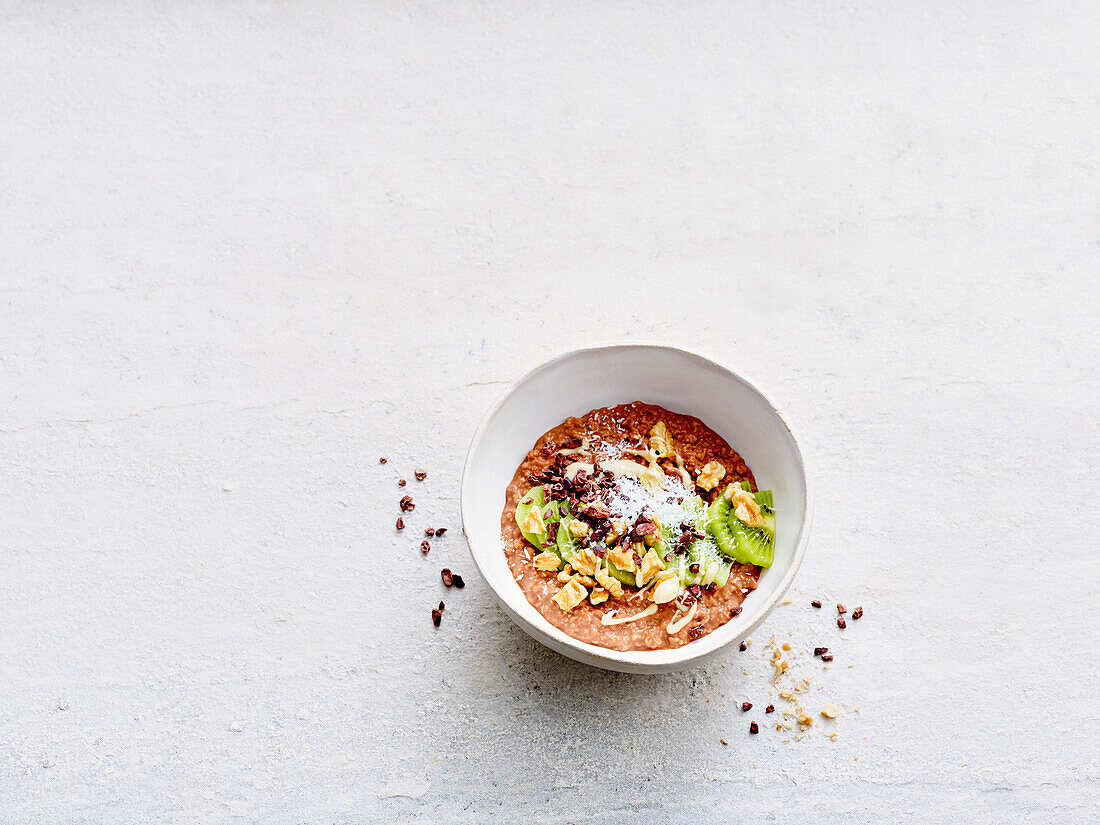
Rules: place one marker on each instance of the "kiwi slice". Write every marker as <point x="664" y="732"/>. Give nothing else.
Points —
<point x="739" y="541"/>
<point x="554" y="511"/>
<point x="718" y="516"/>
<point x="621" y="575"/>
<point x="767" y="510"/>
<point x="536" y="497"/>
<point x="756" y="545"/>
<point x="567" y="545"/>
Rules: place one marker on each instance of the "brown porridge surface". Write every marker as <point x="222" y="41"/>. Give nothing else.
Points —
<point x="605" y="428"/>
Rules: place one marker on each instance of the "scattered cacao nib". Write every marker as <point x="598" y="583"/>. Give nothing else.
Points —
<point x="441" y="606"/>
<point x="841" y="609"/>
<point x="816" y="603"/>
<point x="820" y="651"/>
<point x="754" y="728"/>
<point x="447" y="576"/>
<point x="425" y="547"/>
<point x="857" y="614"/>
<point x="668" y="557"/>
<point x="841" y="623"/>
<point x="696" y="591"/>
<point x="746" y="707"/>
<point x="826" y="657"/>
<point x="572" y="443"/>
<point x="429" y="531"/>
<point x="383" y="460"/>
<point x="401" y="482"/>
<point x="735" y="611"/>
<point x="552" y="530"/>
<point x="696" y="631"/>
<point x="710" y="588"/>
<point x="694" y="568"/>
<point x="769" y="709"/>
<point x="646" y="529"/>
<point x="400" y="524"/>
<point x="458" y="581"/>
<point x="437" y="617"/>
<point x="420" y="475"/>
<point x="406" y="504"/>
<point x="439" y="531"/>
<point x="743" y="647"/>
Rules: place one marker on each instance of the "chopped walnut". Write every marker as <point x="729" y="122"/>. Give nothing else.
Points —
<point x="744" y="505"/>
<point x="712" y="473"/>
<point x="651" y="565"/>
<point x="623" y="557"/>
<point x="609" y="582"/>
<point x="570" y="596"/>
<point x="598" y="596"/>
<point x="660" y="441"/>
<point x="578" y="528"/>
<point x="586" y="562"/>
<point x="532" y="522"/>
<point x="547" y="561"/>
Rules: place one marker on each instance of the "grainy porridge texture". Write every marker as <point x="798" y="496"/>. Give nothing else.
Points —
<point x="608" y="430"/>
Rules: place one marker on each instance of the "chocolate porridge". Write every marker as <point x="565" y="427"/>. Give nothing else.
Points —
<point x="636" y="528"/>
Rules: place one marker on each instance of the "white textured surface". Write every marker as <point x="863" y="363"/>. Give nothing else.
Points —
<point x="247" y="250"/>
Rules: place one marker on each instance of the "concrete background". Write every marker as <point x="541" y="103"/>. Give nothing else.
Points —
<point x="248" y="248"/>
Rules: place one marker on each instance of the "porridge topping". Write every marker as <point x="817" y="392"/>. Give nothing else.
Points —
<point x="710" y="475"/>
<point x="619" y="531"/>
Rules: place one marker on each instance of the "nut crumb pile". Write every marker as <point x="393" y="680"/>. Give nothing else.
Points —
<point x="797" y="715"/>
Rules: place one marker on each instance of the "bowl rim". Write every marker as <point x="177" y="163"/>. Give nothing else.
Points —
<point x="638" y="660"/>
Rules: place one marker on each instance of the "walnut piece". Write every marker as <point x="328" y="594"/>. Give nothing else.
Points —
<point x="710" y="475"/>
<point x="570" y="596"/>
<point x="660" y="441"/>
<point x="532" y="522"/>
<point x="623" y="557"/>
<point x="586" y="562"/>
<point x="598" y="596"/>
<point x="547" y="561"/>
<point x="613" y="585"/>
<point x="651" y="566"/>
<point x="744" y="505"/>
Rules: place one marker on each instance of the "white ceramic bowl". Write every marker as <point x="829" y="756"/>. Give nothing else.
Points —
<point x="573" y="384"/>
